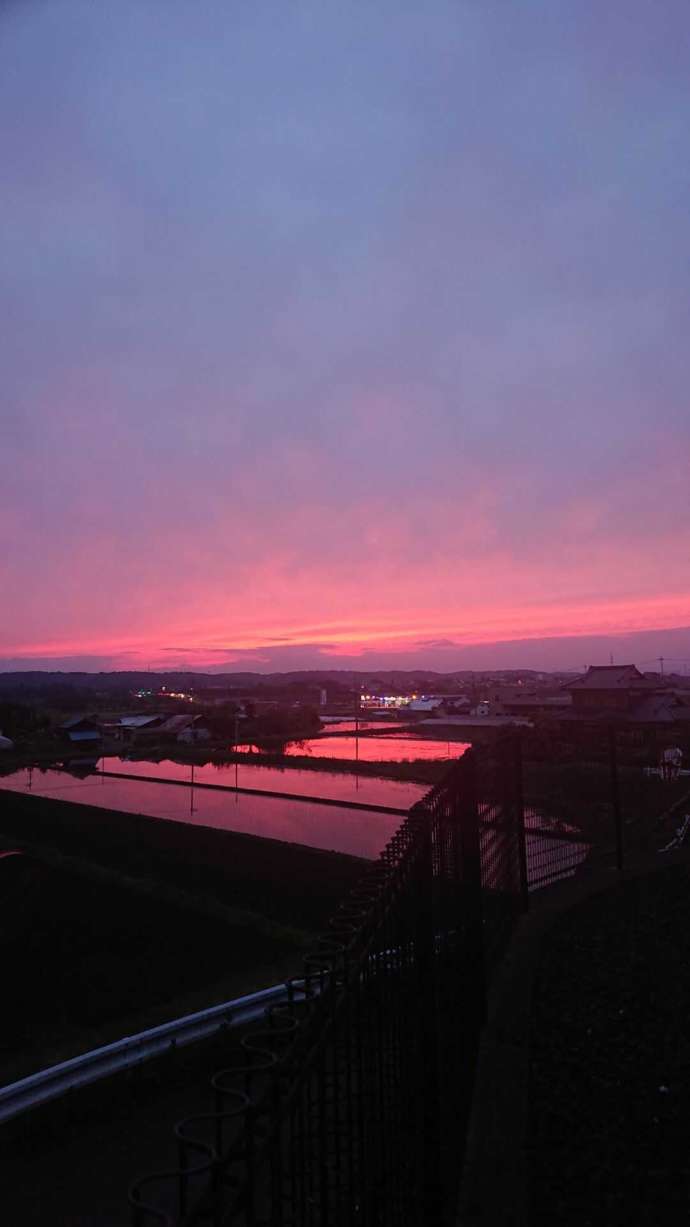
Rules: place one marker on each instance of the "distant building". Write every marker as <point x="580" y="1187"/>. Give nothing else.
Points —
<point x="142" y="722"/>
<point x="197" y="731"/>
<point x="185" y="729"/>
<point x="645" y="711"/>
<point x="660" y="717"/>
<point x="156" y="727"/>
<point x="126" y="728"/>
<point x="382" y="702"/>
<point x="81" y="730"/>
<point x="455" y="704"/>
<point x="173" y="726"/>
<point x="526" y="700"/>
<point x="614" y="688"/>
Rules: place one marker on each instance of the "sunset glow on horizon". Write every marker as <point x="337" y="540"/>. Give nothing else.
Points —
<point x="341" y="333"/>
<point x="336" y="641"/>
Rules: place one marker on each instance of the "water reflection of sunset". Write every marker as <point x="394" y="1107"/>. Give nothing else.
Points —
<point x="377" y="749"/>
<point x="357" y="832"/>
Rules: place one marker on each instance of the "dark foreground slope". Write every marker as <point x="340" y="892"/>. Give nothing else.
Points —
<point x="288" y="884"/>
<point x="113" y="922"/>
<point x="85" y="961"/>
<point x="610" y="1060"/>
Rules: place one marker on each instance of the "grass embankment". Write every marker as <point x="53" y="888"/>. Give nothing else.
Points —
<point x="417" y="771"/>
<point x="86" y="961"/>
<point x="610" y="1060"/>
<point x="126" y="919"/>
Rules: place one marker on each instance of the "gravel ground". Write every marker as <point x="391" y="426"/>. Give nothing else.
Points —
<point x="609" y="1118"/>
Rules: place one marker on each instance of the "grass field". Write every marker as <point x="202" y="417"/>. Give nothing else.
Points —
<point x="114" y="922"/>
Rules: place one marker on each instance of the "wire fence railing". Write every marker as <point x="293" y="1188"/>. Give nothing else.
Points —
<point x="597" y="801"/>
<point x="348" y="1106"/>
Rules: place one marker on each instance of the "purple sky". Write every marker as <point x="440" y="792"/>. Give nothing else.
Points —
<point x="343" y="331"/>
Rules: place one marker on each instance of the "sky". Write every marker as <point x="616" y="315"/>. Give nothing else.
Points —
<point x="336" y="331"/>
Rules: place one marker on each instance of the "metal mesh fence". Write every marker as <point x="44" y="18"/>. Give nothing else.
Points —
<point x="349" y="1107"/>
<point x="596" y="799"/>
<point x="502" y="846"/>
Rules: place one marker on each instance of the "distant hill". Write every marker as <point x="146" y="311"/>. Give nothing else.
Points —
<point x="39" y="681"/>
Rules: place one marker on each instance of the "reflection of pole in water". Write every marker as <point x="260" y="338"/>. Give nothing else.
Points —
<point x="357" y="701"/>
<point x="236" y="762"/>
<point x="29" y="773"/>
<point x="191" y="793"/>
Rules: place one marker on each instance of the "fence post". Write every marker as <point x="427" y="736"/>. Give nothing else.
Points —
<point x="520" y="818"/>
<point x="468" y="813"/>
<point x="615" y="797"/>
<point x="427" y="1057"/>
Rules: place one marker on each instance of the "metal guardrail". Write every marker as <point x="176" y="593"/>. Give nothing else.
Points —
<point x="50" y="1083"/>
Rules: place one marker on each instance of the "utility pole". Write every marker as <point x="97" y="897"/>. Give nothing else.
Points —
<point x="661" y="665"/>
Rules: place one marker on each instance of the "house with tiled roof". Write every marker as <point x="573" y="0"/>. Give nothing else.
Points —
<point x="613" y="688"/>
<point x="645" y="710"/>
